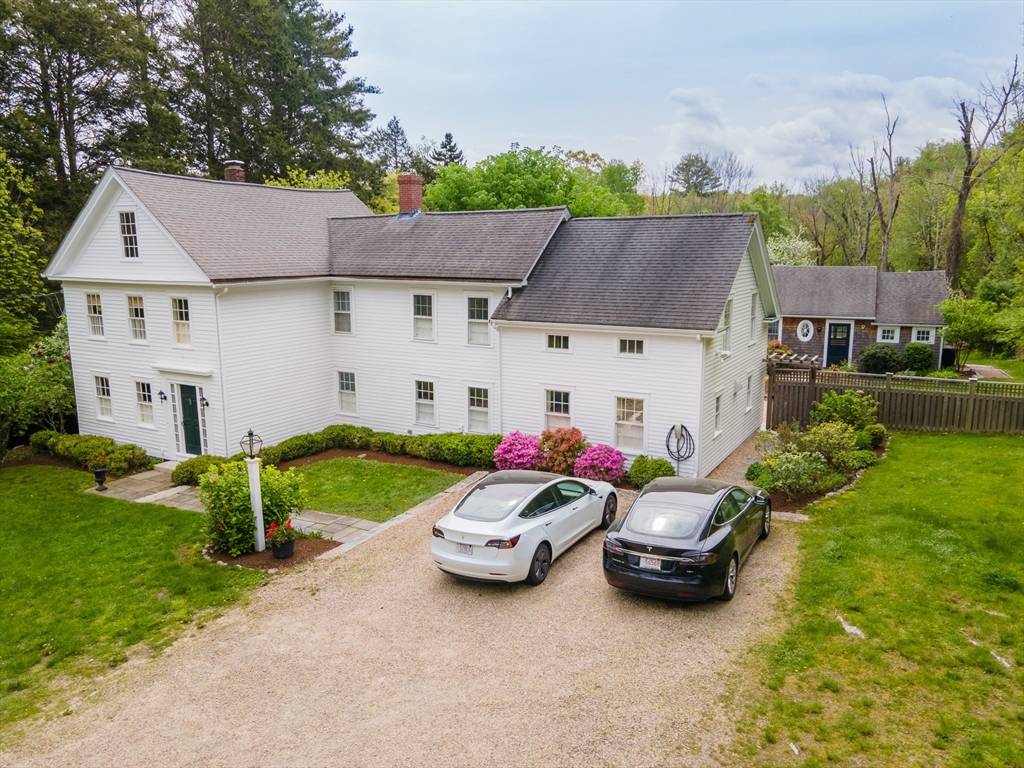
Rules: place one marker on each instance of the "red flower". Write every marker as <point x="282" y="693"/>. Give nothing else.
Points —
<point x="270" y="532"/>
<point x="289" y="523"/>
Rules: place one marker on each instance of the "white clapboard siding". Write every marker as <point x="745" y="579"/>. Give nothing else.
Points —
<point x="667" y="377"/>
<point x="157" y="360"/>
<point x="387" y="361"/>
<point x="102" y="258"/>
<point x="722" y="373"/>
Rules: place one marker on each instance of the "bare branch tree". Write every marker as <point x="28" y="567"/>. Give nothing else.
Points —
<point x="887" y="213"/>
<point x="994" y="103"/>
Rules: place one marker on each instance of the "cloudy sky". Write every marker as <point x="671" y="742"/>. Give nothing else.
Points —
<point x="787" y="87"/>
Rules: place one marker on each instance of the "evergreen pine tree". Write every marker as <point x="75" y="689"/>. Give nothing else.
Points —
<point x="448" y="153"/>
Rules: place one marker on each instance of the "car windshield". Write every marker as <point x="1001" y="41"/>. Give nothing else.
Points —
<point x="654" y="519"/>
<point x="493" y="502"/>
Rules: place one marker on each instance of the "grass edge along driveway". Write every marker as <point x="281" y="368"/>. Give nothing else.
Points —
<point x="85" y="578"/>
<point x="924" y="556"/>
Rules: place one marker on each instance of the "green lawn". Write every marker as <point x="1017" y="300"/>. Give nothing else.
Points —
<point x="370" y="489"/>
<point x="84" y="578"/>
<point x="1014" y="368"/>
<point x="925" y="555"/>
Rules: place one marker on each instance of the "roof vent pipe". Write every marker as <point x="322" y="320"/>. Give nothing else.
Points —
<point x="410" y="194"/>
<point x="234" y="170"/>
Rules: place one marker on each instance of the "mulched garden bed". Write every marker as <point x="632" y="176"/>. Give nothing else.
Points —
<point x="23" y="454"/>
<point x="305" y="549"/>
<point x="387" y="458"/>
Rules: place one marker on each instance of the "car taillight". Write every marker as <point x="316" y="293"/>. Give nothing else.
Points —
<point x="503" y="543"/>
<point x="614" y="548"/>
<point x="705" y="558"/>
<point x="438" y="532"/>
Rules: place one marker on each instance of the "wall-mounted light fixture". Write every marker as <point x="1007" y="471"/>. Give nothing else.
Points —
<point x="819" y="329"/>
<point x="204" y="402"/>
<point x="162" y="396"/>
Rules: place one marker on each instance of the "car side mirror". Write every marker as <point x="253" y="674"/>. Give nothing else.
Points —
<point x="760" y="500"/>
<point x="592" y="492"/>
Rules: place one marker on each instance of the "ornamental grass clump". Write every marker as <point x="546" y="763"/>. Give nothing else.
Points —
<point x="601" y="462"/>
<point x="519" y="451"/>
<point x="561" y="448"/>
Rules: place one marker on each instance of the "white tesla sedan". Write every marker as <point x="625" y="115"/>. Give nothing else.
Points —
<point x="514" y="523"/>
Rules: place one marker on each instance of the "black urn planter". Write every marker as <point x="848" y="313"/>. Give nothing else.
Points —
<point x="101" y="478"/>
<point x="284" y="551"/>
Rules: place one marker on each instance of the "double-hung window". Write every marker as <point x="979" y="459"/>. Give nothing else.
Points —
<point x="94" y="309"/>
<point x="137" y="318"/>
<point x="774" y="330"/>
<point x="750" y="391"/>
<point x="726" y="323"/>
<point x="104" y="408"/>
<point x="181" y="321"/>
<point x="631" y="347"/>
<point x="556" y="410"/>
<point x="423" y="316"/>
<point x="629" y="423"/>
<point x="144" y="399"/>
<point x="478" y="315"/>
<point x="753" y="316"/>
<point x="129" y="235"/>
<point x="479" y="410"/>
<point x="347" y="391"/>
<point x="718" y="414"/>
<point x="343" y="312"/>
<point x="425" y="403"/>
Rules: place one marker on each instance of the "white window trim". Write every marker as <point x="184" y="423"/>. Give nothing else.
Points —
<point x="767" y="328"/>
<point x="433" y="317"/>
<point x="646" y="398"/>
<point x="351" y="309"/>
<point x="544" y="389"/>
<point x="174" y="332"/>
<point x="179" y="435"/>
<point x="490" y="308"/>
<point x="96" y="395"/>
<point x="337" y="389"/>
<point x="145" y="320"/>
<point x="717" y="415"/>
<point x="849" y="343"/>
<point x="567" y="351"/>
<point x="727" y="323"/>
<point x="102" y="336"/>
<point x="880" y="340"/>
<point x="415" y="400"/>
<point x="931" y="333"/>
<point x="490" y="404"/>
<point x="750" y="392"/>
<point x="120" y="235"/>
<point x="754" y="297"/>
<point x="152" y="392"/>
<point x="631" y="355"/>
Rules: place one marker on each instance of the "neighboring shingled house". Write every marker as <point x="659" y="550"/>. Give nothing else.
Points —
<point x="199" y="309"/>
<point x="834" y="312"/>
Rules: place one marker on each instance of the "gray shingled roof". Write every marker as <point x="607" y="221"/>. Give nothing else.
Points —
<point x="244" y="231"/>
<point x="499" y="246"/>
<point x="826" y="291"/>
<point x="643" y="271"/>
<point x="909" y="298"/>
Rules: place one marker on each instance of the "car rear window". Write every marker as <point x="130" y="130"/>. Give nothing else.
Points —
<point x="493" y="502"/>
<point x="661" y="520"/>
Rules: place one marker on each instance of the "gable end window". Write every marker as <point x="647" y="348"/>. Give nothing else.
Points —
<point x="423" y="317"/>
<point x="182" y="322"/>
<point x="129" y="235"/>
<point x="631" y="347"/>
<point x="479" y="410"/>
<point x="478" y="314"/>
<point x="104" y="408"/>
<point x="346" y="391"/>
<point x="629" y="423"/>
<point x="726" y="323"/>
<point x="556" y="409"/>
<point x="144" y="399"/>
<point x="425" y="403"/>
<point x="559" y="342"/>
<point x="94" y="309"/>
<point x="889" y="335"/>
<point x="343" y="312"/>
<point x="924" y="335"/>
<point x="137" y="318"/>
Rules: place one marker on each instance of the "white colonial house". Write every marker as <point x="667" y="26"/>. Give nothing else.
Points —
<point x="199" y="309"/>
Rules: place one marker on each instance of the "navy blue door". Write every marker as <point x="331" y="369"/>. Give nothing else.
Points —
<point x="838" y="351"/>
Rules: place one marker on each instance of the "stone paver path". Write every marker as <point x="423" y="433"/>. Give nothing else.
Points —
<point x="990" y="372"/>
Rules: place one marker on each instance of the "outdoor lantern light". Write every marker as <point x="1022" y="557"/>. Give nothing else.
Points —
<point x="204" y="402"/>
<point x="251" y="444"/>
<point x="162" y="396"/>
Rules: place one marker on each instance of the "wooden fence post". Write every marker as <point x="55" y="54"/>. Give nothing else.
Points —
<point x="769" y="411"/>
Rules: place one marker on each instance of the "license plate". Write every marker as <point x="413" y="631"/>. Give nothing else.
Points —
<point x="654" y="563"/>
<point x="465" y="549"/>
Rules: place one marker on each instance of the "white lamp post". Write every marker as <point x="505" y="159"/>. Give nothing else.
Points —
<point x="251" y="445"/>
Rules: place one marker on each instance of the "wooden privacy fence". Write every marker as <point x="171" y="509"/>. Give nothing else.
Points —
<point x="904" y="402"/>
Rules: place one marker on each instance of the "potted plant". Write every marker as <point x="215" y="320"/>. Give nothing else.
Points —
<point x="98" y="466"/>
<point x="281" y="539"/>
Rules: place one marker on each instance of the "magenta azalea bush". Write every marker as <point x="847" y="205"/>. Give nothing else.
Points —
<point x="519" y="451"/>
<point x="601" y="462"/>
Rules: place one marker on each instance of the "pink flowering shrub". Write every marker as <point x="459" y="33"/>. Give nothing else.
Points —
<point x="519" y="451"/>
<point x="601" y="462"/>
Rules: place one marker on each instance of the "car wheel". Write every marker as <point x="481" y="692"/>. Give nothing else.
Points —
<point x="730" y="579"/>
<point x="539" y="566"/>
<point x="766" y="523"/>
<point x="611" y="506"/>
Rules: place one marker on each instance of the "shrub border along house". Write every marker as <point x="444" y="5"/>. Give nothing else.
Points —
<point x="81" y="449"/>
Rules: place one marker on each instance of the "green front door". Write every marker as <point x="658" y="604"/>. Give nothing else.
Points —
<point x="190" y="419"/>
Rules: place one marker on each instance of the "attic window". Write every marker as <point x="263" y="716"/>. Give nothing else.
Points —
<point x="726" y="322"/>
<point x="129" y="235"/>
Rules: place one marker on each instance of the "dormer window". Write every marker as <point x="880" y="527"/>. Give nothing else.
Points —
<point x="129" y="235"/>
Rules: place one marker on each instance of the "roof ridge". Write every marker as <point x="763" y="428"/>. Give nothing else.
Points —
<point x="456" y="213"/>
<point x="234" y="184"/>
<point x="660" y="217"/>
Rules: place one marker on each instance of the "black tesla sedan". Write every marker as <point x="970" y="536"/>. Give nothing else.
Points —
<point x="685" y="539"/>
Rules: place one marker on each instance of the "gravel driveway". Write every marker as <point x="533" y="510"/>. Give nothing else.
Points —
<point x="379" y="659"/>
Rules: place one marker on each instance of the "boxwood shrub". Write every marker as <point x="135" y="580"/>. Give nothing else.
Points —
<point x="189" y="471"/>
<point x="79" y="449"/>
<point x="918" y="357"/>
<point x="880" y="358"/>
<point x="644" y="469"/>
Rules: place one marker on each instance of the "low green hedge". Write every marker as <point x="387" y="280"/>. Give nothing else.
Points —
<point x="644" y="469"/>
<point x="189" y="471"/>
<point x="79" y="449"/>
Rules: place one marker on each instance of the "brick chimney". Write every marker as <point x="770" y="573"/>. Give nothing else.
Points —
<point x="234" y="170"/>
<point x="410" y="193"/>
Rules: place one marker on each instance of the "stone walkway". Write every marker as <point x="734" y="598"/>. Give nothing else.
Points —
<point x="156" y="487"/>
